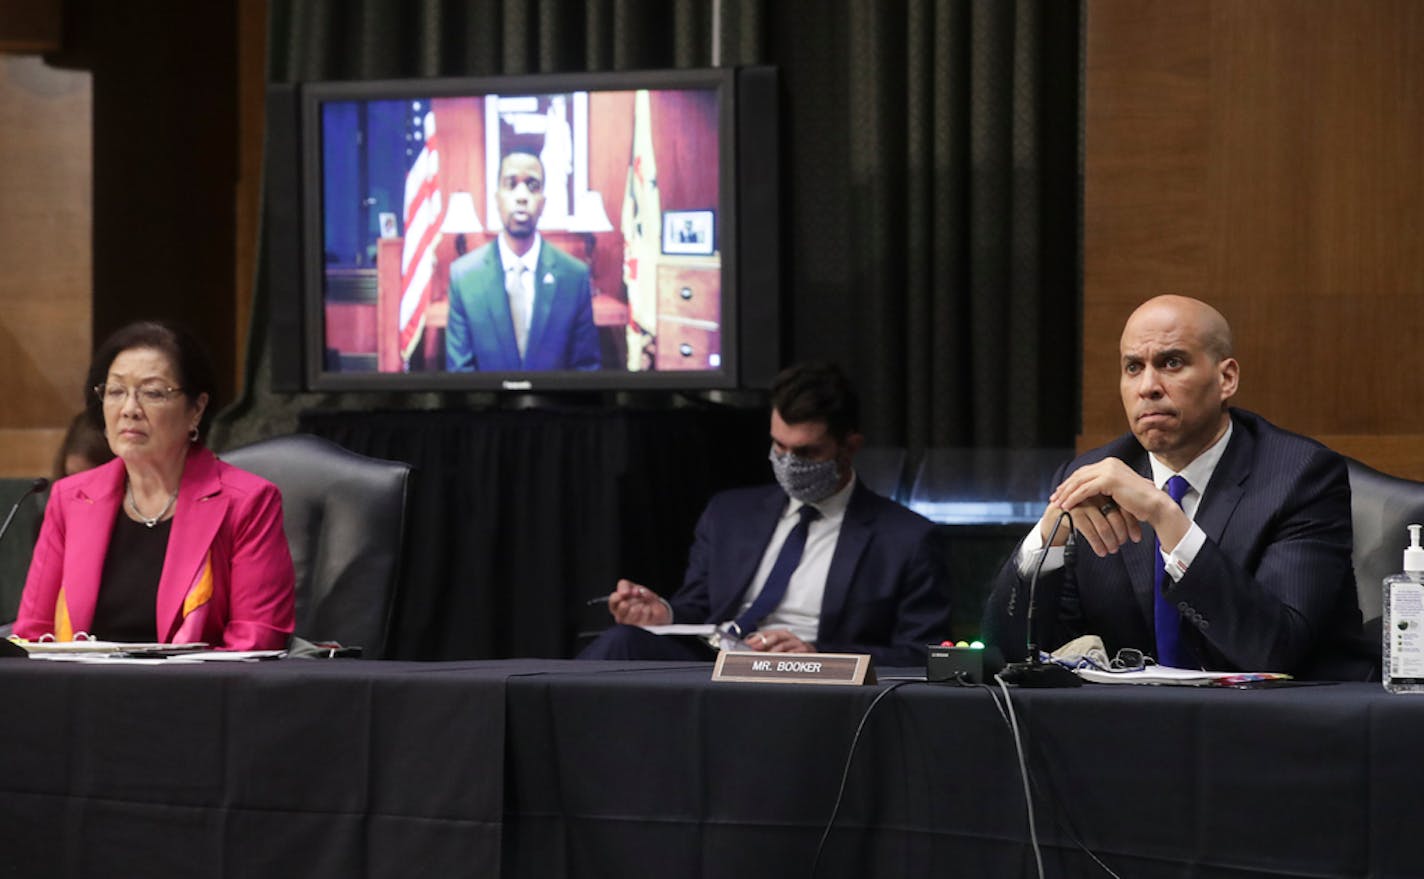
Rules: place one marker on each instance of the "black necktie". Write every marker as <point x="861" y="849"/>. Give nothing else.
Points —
<point x="780" y="577"/>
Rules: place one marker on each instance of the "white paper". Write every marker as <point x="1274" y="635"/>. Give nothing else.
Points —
<point x="90" y="645"/>
<point x="701" y="630"/>
<point x="119" y="658"/>
<point x="228" y="656"/>
<point x="1163" y="674"/>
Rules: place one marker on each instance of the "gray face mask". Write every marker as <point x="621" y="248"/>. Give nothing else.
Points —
<point x="805" y="481"/>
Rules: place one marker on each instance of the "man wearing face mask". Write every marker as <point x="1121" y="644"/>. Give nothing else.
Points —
<point x="816" y="563"/>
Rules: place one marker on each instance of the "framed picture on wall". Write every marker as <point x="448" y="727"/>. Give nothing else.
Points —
<point x="690" y="232"/>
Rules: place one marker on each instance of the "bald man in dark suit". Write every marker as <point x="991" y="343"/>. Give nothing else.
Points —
<point x="1255" y="569"/>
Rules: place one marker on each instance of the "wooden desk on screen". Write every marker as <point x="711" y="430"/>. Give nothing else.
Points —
<point x="388" y="290"/>
<point x="689" y="311"/>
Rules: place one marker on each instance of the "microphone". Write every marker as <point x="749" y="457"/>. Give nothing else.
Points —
<point x="37" y="486"/>
<point x="1034" y="672"/>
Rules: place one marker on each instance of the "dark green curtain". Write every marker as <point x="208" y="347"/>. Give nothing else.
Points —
<point x="930" y="181"/>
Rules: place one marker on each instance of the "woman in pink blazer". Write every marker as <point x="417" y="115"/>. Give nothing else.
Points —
<point x="165" y="542"/>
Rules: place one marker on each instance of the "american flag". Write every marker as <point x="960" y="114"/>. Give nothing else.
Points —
<point x="424" y="214"/>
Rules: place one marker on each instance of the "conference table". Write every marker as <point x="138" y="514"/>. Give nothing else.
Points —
<point x="352" y="768"/>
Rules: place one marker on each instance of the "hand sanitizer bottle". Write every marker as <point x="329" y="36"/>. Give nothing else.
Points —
<point x="1404" y="622"/>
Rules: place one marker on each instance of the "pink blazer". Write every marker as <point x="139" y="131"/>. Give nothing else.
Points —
<point x="227" y="576"/>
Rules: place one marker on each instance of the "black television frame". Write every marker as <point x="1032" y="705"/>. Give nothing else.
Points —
<point x="749" y="235"/>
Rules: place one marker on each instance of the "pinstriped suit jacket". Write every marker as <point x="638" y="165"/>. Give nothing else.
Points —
<point x="1271" y="590"/>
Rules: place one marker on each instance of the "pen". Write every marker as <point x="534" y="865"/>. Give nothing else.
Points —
<point x="602" y="599"/>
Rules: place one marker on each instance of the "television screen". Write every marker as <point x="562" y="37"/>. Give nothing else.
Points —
<point x="527" y="233"/>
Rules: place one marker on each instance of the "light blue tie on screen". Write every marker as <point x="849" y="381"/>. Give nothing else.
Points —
<point x="1166" y="619"/>
<point x="518" y="305"/>
<point x="780" y="577"/>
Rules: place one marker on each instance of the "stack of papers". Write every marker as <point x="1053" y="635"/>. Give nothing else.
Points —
<point x="91" y="650"/>
<point x="1181" y="677"/>
<point x="91" y="645"/>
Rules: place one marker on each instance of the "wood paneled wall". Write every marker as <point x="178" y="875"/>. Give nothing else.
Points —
<point x="130" y="171"/>
<point x="45" y="285"/>
<point x="1265" y="156"/>
<point x="31" y="25"/>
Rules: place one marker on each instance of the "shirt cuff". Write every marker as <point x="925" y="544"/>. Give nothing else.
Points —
<point x="1030" y="550"/>
<point x="1184" y="553"/>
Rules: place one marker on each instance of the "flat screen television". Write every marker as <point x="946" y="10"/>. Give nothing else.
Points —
<point x="562" y="232"/>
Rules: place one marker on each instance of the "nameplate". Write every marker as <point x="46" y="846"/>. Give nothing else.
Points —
<point x="851" y="669"/>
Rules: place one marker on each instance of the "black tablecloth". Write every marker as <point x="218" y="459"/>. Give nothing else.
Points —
<point x="557" y="768"/>
<point x="288" y="769"/>
<point x="714" y="780"/>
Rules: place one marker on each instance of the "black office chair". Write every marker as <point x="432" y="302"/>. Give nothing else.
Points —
<point x="18" y="544"/>
<point x="1380" y="507"/>
<point x="345" y="522"/>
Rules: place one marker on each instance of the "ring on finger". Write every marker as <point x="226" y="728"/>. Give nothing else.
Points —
<point x="1108" y="508"/>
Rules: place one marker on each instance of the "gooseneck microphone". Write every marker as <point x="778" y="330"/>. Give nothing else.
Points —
<point x="36" y="487"/>
<point x="1034" y="672"/>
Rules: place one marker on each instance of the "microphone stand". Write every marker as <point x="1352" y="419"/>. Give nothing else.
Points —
<point x="1034" y="672"/>
<point x="37" y="486"/>
<point x="9" y="649"/>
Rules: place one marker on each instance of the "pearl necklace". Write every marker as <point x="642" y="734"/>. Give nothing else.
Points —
<point x="128" y="493"/>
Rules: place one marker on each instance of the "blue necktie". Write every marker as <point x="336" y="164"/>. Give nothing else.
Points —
<point x="780" y="577"/>
<point x="1167" y="621"/>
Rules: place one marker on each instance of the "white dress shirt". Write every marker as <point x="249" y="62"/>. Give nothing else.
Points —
<point x="1198" y="476"/>
<point x="800" y="611"/>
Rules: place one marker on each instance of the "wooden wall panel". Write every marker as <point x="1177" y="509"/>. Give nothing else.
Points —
<point x="45" y="288"/>
<point x="31" y="25"/>
<point x="686" y="147"/>
<point x="610" y="116"/>
<point x="1266" y="157"/>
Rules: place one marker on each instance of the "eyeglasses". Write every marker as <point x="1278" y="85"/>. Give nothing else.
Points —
<point x="147" y="395"/>
<point x="1131" y="659"/>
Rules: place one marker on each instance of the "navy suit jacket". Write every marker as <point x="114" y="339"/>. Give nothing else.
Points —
<point x="480" y="333"/>
<point x="886" y="591"/>
<point x="1271" y="590"/>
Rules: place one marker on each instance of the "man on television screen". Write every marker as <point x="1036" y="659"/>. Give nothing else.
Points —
<point x="518" y="303"/>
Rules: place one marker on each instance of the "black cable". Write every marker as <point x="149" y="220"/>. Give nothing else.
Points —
<point x="1031" y="783"/>
<point x="1011" y="718"/>
<point x="1033" y="581"/>
<point x="845" y="772"/>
